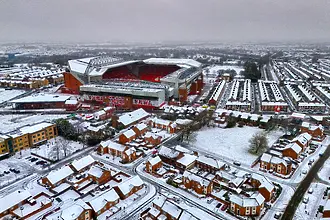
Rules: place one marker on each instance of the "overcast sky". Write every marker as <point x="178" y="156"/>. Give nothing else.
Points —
<point x="164" y="20"/>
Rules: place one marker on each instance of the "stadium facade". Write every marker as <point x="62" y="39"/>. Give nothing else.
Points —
<point x="133" y="84"/>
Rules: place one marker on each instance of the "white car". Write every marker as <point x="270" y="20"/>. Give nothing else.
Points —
<point x="306" y="199"/>
<point x="310" y="191"/>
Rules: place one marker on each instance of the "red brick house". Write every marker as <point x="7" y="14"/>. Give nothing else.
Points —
<point x="316" y="131"/>
<point x="278" y="165"/>
<point x="197" y="183"/>
<point x="153" y="164"/>
<point x="265" y="187"/>
<point x="140" y="129"/>
<point x="12" y="201"/>
<point x="57" y="177"/>
<point x="127" y="136"/>
<point x="302" y="140"/>
<point x="292" y="150"/>
<point x="111" y="147"/>
<point x="248" y="206"/>
<point x="129" y="155"/>
<point x="326" y="209"/>
<point x="169" y="156"/>
<point x="82" y="164"/>
<point x="166" y="125"/>
<point x="79" y="210"/>
<point x="99" y="175"/>
<point x="152" y="139"/>
<point x="209" y="164"/>
<point x="129" y="187"/>
<point x="104" y="202"/>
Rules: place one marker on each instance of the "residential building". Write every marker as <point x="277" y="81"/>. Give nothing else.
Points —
<point x="129" y="187"/>
<point x="153" y="164"/>
<point x="247" y="206"/>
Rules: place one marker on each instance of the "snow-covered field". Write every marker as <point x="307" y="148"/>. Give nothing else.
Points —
<point x="309" y="210"/>
<point x="231" y="143"/>
<point x="6" y="95"/>
<point x="11" y="122"/>
<point x="48" y="150"/>
<point x="214" y="69"/>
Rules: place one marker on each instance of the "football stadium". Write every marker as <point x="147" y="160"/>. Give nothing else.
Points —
<point x="132" y="84"/>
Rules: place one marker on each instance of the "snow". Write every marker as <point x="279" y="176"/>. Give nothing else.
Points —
<point x="99" y="202"/>
<point x="12" y="199"/>
<point x="60" y="174"/>
<point x="12" y="122"/>
<point x="231" y="143"/>
<point x="17" y="164"/>
<point x="47" y="150"/>
<point x="42" y="98"/>
<point x="6" y="95"/>
<point x="315" y="199"/>
<point x="134" y="116"/>
<point x="83" y="162"/>
<point x="154" y="160"/>
<point x="187" y="159"/>
<point x="216" y="68"/>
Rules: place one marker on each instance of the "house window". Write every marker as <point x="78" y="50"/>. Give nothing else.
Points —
<point x="254" y="210"/>
<point x="247" y="211"/>
<point x="232" y="207"/>
<point x="279" y="168"/>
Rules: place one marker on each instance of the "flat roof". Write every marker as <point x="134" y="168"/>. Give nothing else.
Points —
<point x="42" y="98"/>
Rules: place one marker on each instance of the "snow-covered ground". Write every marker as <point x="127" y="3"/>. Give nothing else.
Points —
<point x="13" y="163"/>
<point x="12" y="122"/>
<point x="216" y="68"/>
<point x="48" y="150"/>
<point x="6" y="95"/>
<point x="324" y="173"/>
<point x="281" y="202"/>
<point x="308" y="211"/>
<point x="231" y="143"/>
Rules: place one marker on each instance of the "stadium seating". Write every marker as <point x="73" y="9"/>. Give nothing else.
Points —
<point x="119" y="73"/>
<point x="153" y="73"/>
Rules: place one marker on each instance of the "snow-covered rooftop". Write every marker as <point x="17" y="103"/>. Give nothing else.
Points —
<point x="83" y="162"/>
<point x="100" y="201"/>
<point x="60" y="174"/>
<point x="134" y="116"/>
<point x="42" y="98"/>
<point x="13" y="199"/>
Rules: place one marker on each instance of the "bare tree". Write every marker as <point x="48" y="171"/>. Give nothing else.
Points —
<point x="258" y="143"/>
<point x="61" y="149"/>
<point x="65" y="146"/>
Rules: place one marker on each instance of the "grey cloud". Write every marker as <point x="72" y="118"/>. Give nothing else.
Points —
<point x="163" y="20"/>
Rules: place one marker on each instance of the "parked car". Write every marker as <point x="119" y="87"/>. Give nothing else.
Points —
<point x="310" y="191"/>
<point x="237" y="163"/>
<point x="6" y="172"/>
<point x="224" y="207"/>
<point x="277" y="215"/>
<point x="306" y="199"/>
<point x="218" y="205"/>
<point x="304" y="171"/>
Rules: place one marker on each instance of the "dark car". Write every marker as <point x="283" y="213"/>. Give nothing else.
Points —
<point x="218" y="205"/>
<point x="224" y="207"/>
<point x="6" y="172"/>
